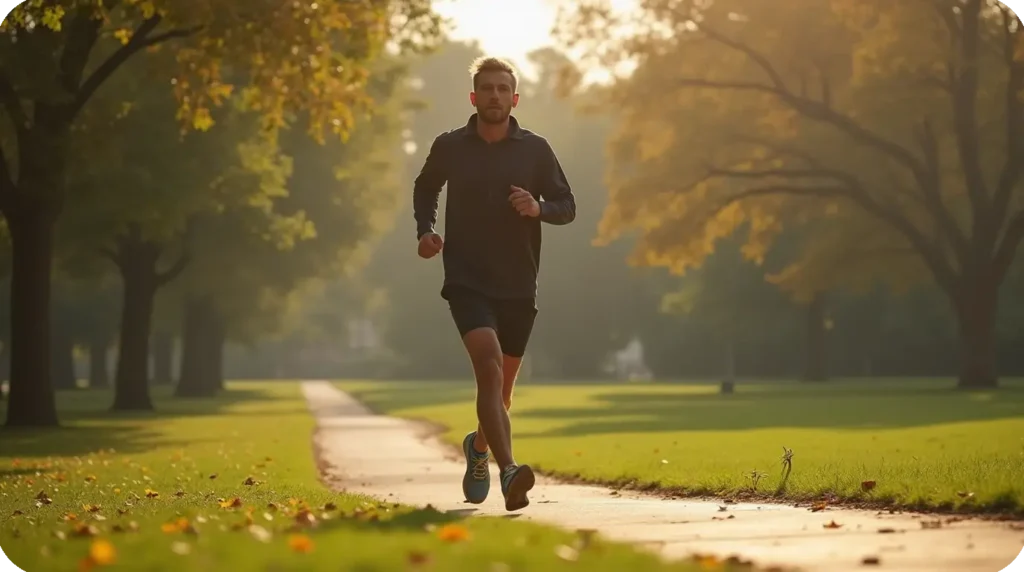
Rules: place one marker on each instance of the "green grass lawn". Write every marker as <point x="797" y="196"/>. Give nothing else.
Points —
<point x="158" y="492"/>
<point x="923" y="444"/>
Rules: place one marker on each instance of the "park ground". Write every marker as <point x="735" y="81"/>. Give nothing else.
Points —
<point x="232" y="483"/>
<point x="915" y="444"/>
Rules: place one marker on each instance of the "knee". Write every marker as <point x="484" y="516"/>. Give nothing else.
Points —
<point x="488" y="370"/>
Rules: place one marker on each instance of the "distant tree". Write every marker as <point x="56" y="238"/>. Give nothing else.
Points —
<point x="897" y="124"/>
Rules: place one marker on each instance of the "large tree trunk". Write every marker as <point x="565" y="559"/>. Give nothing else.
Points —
<point x="976" y="321"/>
<point x="163" y="356"/>
<point x="99" y="372"/>
<point x="815" y="360"/>
<point x="202" y="350"/>
<point x="31" y="401"/>
<point x="131" y="382"/>
<point x="62" y="359"/>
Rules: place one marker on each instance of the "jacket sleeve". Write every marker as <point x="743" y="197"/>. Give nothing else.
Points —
<point x="427" y="188"/>
<point x="557" y="205"/>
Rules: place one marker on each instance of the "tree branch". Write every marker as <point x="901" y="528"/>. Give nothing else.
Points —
<point x="1008" y="248"/>
<point x="12" y="104"/>
<point x="167" y="276"/>
<point x="139" y="41"/>
<point x="932" y="194"/>
<point x="931" y="255"/>
<point x="809" y="108"/>
<point x="965" y="120"/>
<point x="1010" y="175"/>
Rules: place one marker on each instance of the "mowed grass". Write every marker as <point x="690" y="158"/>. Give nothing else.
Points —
<point x="923" y="444"/>
<point x="158" y="492"/>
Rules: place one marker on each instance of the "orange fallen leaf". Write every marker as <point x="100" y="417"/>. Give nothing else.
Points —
<point x="300" y="543"/>
<point x="819" y="506"/>
<point x="832" y="524"/>
<point x="86" y="530"/>
<point x="91" y="507"/>
<point x="233" y="503"/>
<point x="102" y="552"/>
<point x="90" y="478"/>
<point x="175" y="526"/>
<point x="151" y="494"/>
<point x="453" y="533"/>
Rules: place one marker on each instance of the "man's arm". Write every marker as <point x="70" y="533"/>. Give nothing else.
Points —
<point x="427" y="189"/>
<point x="558" y="205"/>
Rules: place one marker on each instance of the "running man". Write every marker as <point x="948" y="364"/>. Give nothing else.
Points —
<point x="503" y="182"/>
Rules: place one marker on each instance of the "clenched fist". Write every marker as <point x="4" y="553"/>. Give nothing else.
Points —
<point x="430" y="244"/>
<point x="524" y="202"/>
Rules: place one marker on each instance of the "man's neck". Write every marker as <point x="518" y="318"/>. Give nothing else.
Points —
<point x="492" y="132"/>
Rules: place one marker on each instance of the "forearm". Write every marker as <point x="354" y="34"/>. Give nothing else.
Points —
<point x="424" y="209"/>
<point x="558" y="211"/>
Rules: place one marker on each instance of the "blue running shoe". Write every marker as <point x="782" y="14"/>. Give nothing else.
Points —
<point x="516" y="481"/>
<point x="477" y="482"/>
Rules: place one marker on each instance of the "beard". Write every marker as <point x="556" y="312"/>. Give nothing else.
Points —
<point x="492" y="115"/>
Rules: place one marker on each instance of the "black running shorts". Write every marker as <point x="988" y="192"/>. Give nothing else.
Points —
<point x="511" y="319"/>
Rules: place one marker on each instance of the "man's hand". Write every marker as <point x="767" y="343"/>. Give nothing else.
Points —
<point x="430" y="244"/>
<point x="524" y="202"/>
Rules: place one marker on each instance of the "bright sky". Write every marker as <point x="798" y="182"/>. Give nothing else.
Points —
<point x="503" y="28"/>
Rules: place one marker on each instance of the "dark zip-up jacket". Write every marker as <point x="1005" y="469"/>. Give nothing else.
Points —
<point x="488" y="246"/>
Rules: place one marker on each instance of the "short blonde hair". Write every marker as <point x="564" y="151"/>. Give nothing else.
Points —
<point x="492" y="64"/>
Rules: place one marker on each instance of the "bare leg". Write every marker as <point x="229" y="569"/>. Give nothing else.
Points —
<point x="510" y="370"/>
<point x="485" y="355"/>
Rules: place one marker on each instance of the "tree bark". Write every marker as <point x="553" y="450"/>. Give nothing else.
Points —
<point x="163" y="356"/>
<point x="976" y="320"/>
<point x="131" y="383"/>
<point x="62" y="360"/>
<point x="815" y="360"/>
<point x="202" y="350"/>
<point x="99" y="372"/>
<point x="31" y="401"/>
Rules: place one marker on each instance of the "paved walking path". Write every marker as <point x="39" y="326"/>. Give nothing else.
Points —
<point x="396" y="460"/>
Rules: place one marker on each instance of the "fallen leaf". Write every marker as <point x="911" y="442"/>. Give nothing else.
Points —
<point x="417" y="558"/>
<point x="453" y="533"/>
<point x="102" y="552"/>
<point x="867" y="485"/>
<point x="886" y="530"/>
<point x="181" y="548"/>
<point x="305" y="518"/>
<point x="179" y="494"/>
<point x="17" y="513"/>
<point x="871" y="561"/>
<point x="42" y="498"/>
<point x="91" y="507"/>
<point x="249" y="482"/>
<point x="832" y="524"/>
<point x="259" y="533"/>
<point x="723" y="508"/>
<point x="567" y="553"/>
<point x="300" y="543"/>
<point x="84" y="530"/>
<point x="151" y="494"/>
<point x="90" y="479"/>
<point x="233" y="503"/>
<point x="213" y="476"/>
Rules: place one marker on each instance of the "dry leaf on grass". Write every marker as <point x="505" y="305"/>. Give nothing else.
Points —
<point x="42" y="498"/>
<point x="233" y="503"/>
<point x="300" y="543"/>
<point x="453" y="533"/>
<point x="151" y="494"/>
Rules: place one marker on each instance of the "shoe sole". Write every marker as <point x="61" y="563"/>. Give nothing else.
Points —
<point x="465" y="487"/>
<point x="521" y="484"/>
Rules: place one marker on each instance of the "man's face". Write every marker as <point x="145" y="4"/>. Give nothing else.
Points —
<point x="494" y="96"/>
